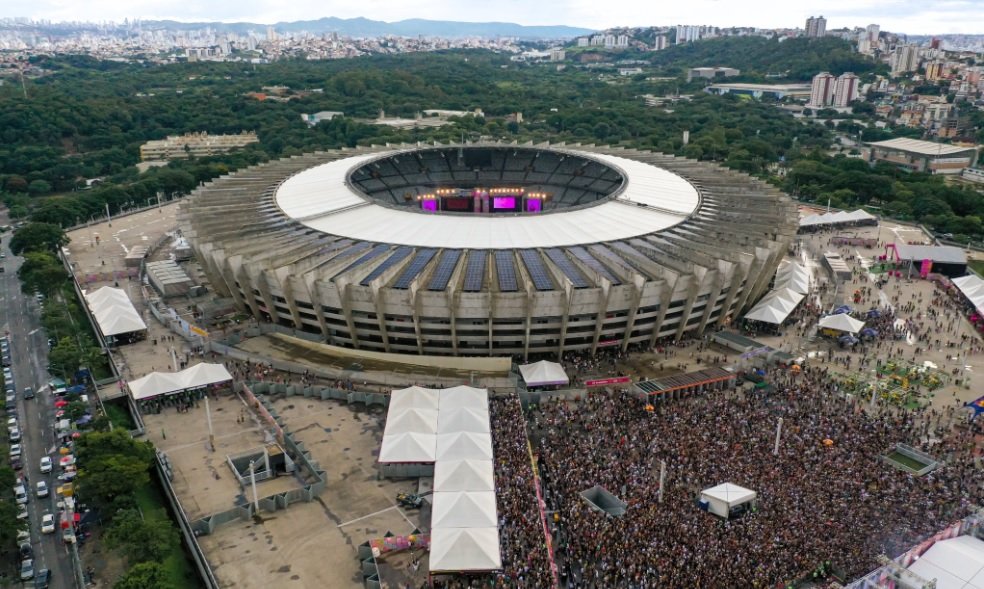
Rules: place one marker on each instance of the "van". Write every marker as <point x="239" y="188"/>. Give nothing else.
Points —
<point x="20" y="494"/>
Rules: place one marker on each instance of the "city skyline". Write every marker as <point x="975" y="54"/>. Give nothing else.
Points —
<point x="902" y="16"/>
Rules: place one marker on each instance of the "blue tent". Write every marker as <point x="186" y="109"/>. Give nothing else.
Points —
<point x="874" y="314"/>
<point x="841" y="309"/>
<point x="869" y="332"/>
<point x="848" y="340"/>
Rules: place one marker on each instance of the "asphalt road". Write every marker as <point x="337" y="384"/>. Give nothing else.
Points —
<point x="20" y="317"/>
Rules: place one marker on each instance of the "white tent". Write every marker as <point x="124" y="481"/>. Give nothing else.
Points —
<point x="543" y="373"/>
<point x="165" y="383"/>
<point x="465" y="549"/>
<point x="113" y="311"/>
<point x="417" y="421"/>
<point x="464" y="509"/>
<point x="462" y="397"/>
<point x="463" y="420"/>
<point x="972" y="287"/>
<point x="775" y="307"/>
<point x="836" y="218"/>
<point x="957" y="563"/>
<point x="793" y="276"/>
<point x="463" y="475"/>
<point x="407" y="447"/>
<point x="464" y="446"/>
<point x="841" y="322"/>
<point x="726" y="496"/>
<point x="413" y="398"/>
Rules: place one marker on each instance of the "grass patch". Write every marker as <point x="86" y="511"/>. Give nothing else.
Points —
<point x="178" y="567"/>
<point x="119" y="417"/>
<point x="907" y="461"/>
<point x="976" y="266"/>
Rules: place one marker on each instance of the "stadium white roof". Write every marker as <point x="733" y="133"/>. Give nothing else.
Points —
<point x="653" y="199"/>
<point x="957" y="563"/>
<point x="920" y="147"/>
<point x="156" y="384"/>
<point x="113" y="311"/>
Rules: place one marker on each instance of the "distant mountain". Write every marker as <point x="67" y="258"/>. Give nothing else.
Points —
<point x="364" y="27"/>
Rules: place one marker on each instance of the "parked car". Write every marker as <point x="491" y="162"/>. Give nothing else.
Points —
<point x="22" y="512"/>
<point x="47" y="524"/>
<point x="25" y="550"/>
<point x="27" y="569"/>
<point x="20" y="494"/>
<point x="15" y="450"/>
<point x="41" y="579"/>
<point x="45" y="464"/>
<point x="15" y="435"/>
<point x="42" y="489"/>
<point x="16" y="463"/>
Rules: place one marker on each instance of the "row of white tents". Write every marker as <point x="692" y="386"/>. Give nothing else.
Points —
<point x="791" y="286"/>
<point x="972" y="287"/>
<point x="838" y="218"/>
<point x="114" y="312"/>
<point x="450" y="428"/>
<point x="158" y="384"/>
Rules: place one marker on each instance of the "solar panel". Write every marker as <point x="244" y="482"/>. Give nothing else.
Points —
<point x="505" y="267"/>
<point x="475" y="271"/>
<point x="582" y="254"/>
<point x="445" y="268"/>
<point x="537" y="269"/>
<point x="415" y="267"/>
<point x="398" y="256"/>
<point x="377" y="250"/>
<point x="568" y="268"/>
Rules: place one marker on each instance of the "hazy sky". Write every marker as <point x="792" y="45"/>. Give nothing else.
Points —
<point x="903" y="16"/>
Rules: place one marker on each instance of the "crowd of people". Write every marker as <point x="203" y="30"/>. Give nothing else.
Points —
<point x="827" y="501"/>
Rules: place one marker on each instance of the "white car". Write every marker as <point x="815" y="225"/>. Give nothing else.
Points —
<point x="15" y="435"/>
<point x="11" y="423"/>
<point x="47" y="524"/>
<point x="42" y="489"/>
<point x="22" y="514"/>
<point x="46" y="464"/>
<point x="15" y="450"/>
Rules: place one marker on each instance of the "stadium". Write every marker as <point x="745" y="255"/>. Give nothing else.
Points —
<point x="490" y="248"/>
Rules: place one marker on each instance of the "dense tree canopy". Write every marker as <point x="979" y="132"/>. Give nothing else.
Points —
<point x="113" y="466"/>
<point x="38" y="237"/>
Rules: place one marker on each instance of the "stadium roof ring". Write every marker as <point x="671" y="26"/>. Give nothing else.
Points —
<point x="490" y="248"/>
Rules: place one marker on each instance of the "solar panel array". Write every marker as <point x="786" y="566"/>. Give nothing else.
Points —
<point x="475" y="271"/>
<point x="398" y="256"/>
<point x="445" y="268"/>
<point x="505" y="267"/>
<point x="376" y="251"/>
<point x="582" y="254"/>
<point x="537" y="269"/>
<point x="415" y="267"/>
<point x="568" y="268"/>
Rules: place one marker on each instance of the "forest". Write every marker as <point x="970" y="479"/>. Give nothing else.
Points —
<point x="71" y="147"/>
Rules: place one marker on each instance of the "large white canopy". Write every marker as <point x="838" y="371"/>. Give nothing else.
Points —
<point x="841" y="322"/>
<point x="463" y="475"/>
<point x="413" y="398"/>
<point x="775" y="306"/>
<point x="463" y="420"/>
<point x="113" y="311"/>
<point x="464" y="549"/>
<point x="957" y="563"/>
<point x="407" y="447"/>
<point x="461" y="397"/>
<point x="417" y="421"/>
<point x="164" y="383"/>
<point x="464" y="446"/>
<point x="543" y="373"/>
<point x="836" y="218"/>
<point x="794" y="276"/>
<point x="972" y="287"/>
<point x="464" y="509"/>
<point x="321" y="198"/>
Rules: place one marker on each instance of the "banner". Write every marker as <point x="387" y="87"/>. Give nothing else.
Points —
<point x="603" y="382"/>
<point x="382" y="546"/>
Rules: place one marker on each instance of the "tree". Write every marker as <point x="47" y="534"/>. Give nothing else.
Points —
<point x="38" y="237"/>
<point x="113" y="467"/>
<point x="141" y="540"/>
<point x="145" y="575"/>
<point x="75" y="410"/>
<point x="41" y="272"/>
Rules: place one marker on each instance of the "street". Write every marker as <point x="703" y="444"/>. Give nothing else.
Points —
<point x="20" y="317"/>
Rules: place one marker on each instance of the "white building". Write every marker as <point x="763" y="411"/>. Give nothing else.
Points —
<point x="816" y="26"/>
<point x="904" y="59"/>
<point x="660" y="43"/>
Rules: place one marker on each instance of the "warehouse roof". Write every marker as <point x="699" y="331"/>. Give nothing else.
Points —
<point x="921" y="147"/>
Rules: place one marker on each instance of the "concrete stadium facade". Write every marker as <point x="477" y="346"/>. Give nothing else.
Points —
<point x="630" y="247"/>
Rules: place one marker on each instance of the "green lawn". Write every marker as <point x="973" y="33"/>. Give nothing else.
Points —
<point x="119" y="417"/>
<point x="180" y="569"/>
<point x="976" y="266"/>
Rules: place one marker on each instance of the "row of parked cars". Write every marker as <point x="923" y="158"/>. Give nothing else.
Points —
<point x="40" y="577"/>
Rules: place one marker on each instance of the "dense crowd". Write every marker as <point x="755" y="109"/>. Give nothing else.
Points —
<point x="818" y="503"/>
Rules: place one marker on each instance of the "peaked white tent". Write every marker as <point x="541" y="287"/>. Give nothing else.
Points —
<point x="543" y="373"/>
<point x="775" y="306"/>
<point x="794" y="276"/>
<point x="407" y="447"/>
<point x="465" y="549"/>
<point x="417" y="421"/>
<point x="464" y="509"/>
<point x="464" y="446"/>
<point x="413" y="398"/>
<point x="837" y="218"/>
<point x="957" y="563"/>
<point x="156" y="384"/>
<point x="113" y="311"/>
<point x="726" y="496"/>
<point x="463" y="475"/>
<point x="841" y="322"/>
<point x="972" y="287"/>
<point x="463" y="420"/>
<point x="463" y="397"/>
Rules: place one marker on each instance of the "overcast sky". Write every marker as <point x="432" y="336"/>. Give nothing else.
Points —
<point x="902" y="16"/>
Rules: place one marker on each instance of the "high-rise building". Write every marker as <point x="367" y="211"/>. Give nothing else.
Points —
<point x="873" y="31"/>
<point x="845" y="90"/>
<point x="822" y="93"/>
<point x="660" y="43"/>
<point x="687" y="33"/>
<point x="816" y="26"/>
<point x="904" y="59"/>
<point x="934" y="71"/>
